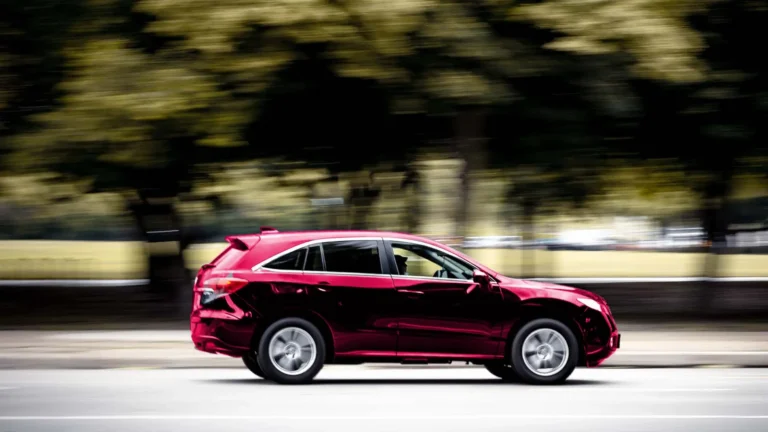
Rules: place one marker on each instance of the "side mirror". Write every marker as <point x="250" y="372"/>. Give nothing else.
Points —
<point x="480" y="279"/>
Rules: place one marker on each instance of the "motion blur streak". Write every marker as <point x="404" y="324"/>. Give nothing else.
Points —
<point x="614" y="146"/>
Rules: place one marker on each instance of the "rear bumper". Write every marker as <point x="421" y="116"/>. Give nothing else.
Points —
<point x="221" y="336"/>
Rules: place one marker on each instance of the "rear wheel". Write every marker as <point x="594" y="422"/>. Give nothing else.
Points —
<point x="251" y="361"/>
<point x="503" y="371"/>
<point x="291" y="351"/>
<point x="544" y="351"/>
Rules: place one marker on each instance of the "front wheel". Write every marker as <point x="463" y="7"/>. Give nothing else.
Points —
<point x="544" y="351"/>
<point x="291" y="351"/>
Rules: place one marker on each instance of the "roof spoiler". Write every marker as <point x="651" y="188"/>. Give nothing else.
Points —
<point x="241" y="243"/>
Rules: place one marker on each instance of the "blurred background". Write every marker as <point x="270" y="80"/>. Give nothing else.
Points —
<point x="614" y="145"/>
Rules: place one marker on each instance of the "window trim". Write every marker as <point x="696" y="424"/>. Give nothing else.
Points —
<point x="385" y="252"/>
<point x="385" y="268"/>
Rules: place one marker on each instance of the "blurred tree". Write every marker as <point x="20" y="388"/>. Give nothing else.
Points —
<point x="134" y="94"/>
<point x="130" y="117"/>
<point x="655" y="33"/>
<point x="344" y="67"/>
<point x="555" y="145"/>
<point x="31" y="33"/>
<point x="715" y="128"/>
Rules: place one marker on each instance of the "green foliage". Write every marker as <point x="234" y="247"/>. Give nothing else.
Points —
<point x="654" y="32"/>
<point x="123" y="106"/>
<point x="110" y="90"/>
<point x="416" y="48"/>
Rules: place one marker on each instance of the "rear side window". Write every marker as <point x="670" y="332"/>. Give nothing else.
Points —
<point x="360" y="256"/>
<point x="290" y="261"/>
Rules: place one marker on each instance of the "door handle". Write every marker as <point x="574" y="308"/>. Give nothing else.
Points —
<point x="411" y="292"/>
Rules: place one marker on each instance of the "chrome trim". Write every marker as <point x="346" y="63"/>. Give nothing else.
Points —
<point x="335" y="239"/>
<point x="348" y="274"/>
<point x="281" y="270"/>
<point x="310" y="243"/>
<point x="430" y="278"/>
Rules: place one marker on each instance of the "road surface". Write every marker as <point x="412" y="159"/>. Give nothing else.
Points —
<point x="382" y="398"/>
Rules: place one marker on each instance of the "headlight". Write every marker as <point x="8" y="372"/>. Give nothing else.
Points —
<point x="591" y="304"/>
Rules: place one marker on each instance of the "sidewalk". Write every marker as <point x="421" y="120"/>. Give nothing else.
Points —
<point x="641" y="346"/>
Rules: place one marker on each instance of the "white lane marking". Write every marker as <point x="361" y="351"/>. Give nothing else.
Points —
<point x="7" y="388"/>
<point x="676" y="353"/>
<point x="653" y="279"/>
<point x="73" y="283"/>
<point x="390" y="417"/>
<point x="658" y="390"/>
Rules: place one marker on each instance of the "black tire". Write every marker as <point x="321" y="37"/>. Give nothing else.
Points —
<point x="503" y="371"/>
<point x="271" y="371"/>
<point x="525" y="373"/>
<point x="252" y="363"/>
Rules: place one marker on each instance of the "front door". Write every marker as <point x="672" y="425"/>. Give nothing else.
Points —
<point x="441" y="311"/>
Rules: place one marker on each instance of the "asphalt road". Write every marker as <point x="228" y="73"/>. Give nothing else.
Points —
<point x="382" y="398"/>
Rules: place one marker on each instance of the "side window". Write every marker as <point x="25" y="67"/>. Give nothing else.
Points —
<point x="314" y="259"/>
<point x="291" y="261"/>
<point x="417" y="260"/>
<point x="352" y="257"/>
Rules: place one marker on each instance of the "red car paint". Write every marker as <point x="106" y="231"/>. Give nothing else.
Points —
<point x="384" y="317"/>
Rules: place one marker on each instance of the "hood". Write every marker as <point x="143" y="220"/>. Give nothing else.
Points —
<point x="530" y="289"/>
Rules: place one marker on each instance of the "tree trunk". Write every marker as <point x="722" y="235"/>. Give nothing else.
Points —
<point x="528" y="250"/>
<point x="471" y="147"/>
<point x="412" y="189"/>
<point x="362" y="199"/>
<point x="715" y="228"/>
<point x="169" y="280"/>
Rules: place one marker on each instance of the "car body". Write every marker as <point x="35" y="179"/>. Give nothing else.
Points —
<point x="353" y="295"/>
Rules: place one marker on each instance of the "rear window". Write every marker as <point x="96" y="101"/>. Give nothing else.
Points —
<point x="228" y="258"/>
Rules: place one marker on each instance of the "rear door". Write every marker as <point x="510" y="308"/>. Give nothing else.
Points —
<point x="349" y="280"/>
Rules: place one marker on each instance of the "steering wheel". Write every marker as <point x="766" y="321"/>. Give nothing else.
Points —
<point x="442" y="273"/>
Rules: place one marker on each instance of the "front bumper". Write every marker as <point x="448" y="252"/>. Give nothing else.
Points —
<point x="597" y="353"/>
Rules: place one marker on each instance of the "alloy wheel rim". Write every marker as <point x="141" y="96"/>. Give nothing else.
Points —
<point x="292" y="351"/>
<point x="545" y="352"/>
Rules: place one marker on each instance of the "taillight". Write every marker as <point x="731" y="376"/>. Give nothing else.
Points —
<point x="218" y="287"/>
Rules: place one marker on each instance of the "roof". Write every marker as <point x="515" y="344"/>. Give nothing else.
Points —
<point x="273" y="242"/>
<point x="321" y="234"/>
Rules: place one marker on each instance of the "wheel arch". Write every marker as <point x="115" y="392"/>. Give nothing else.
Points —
<point x="313" y="317"/>
<point x="558" y="310"/>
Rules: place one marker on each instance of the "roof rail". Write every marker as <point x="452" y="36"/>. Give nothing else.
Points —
<point x="267" y="230"/>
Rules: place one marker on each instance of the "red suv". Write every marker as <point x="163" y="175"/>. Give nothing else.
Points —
<point x="287" y="303"/>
